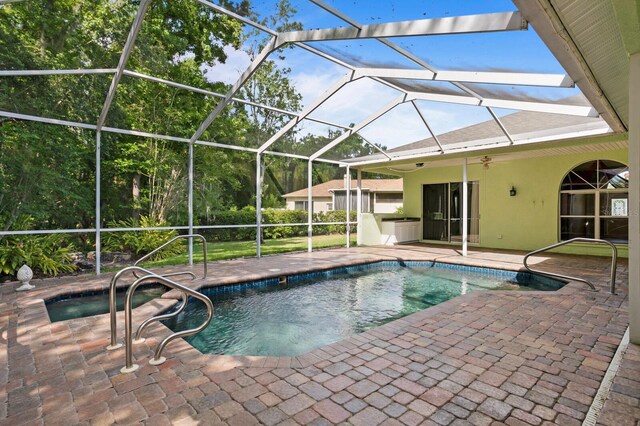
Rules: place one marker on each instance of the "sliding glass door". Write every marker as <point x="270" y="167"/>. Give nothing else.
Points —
<point x="442" y="205"/>
<point x="435" y="212"/>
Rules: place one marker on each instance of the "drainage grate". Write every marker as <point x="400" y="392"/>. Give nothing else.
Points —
<point x="603" y="392"/>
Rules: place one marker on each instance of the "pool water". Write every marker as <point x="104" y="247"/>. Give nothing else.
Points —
<point x="95" y="303"/>
<point x="306" y="313"/>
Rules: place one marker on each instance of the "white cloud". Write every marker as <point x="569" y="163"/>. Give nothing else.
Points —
<point x="444" y="117"/>
<point x="311" y="83"/>
<point x="399" y="127"/>
<point x="355" y="101"/>
<point x="237" y="62"/>
<point x="312" y="76"/>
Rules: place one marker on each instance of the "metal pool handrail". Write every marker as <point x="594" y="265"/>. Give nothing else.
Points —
<point x="145" y="323"/>
<point x="179" y="237"/>
<point x="157" y="357"/>
<point x="112" y="298"/>
<point x="614" y="261"/>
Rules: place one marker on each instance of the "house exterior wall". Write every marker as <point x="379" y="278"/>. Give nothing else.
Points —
<point x="527" y="221"/>
<point x="320" y="204"/>
<point x="381" y="205"/>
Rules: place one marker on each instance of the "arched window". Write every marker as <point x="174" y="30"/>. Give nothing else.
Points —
<point x="594" y="197"/>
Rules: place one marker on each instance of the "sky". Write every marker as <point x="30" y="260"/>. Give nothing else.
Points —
<point x="500" y="51"/>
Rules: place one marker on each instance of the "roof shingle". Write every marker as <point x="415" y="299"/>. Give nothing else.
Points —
<point x="373" y="185"/>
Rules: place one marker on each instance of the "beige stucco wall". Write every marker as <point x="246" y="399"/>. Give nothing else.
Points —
<point x="382" y="207"/>
<point x="527" y="221"/>
<point x="320" y="204"/>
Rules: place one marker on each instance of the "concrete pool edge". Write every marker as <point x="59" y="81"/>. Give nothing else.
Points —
<point x="169" y="299"/>
<point x="101" y="284"/>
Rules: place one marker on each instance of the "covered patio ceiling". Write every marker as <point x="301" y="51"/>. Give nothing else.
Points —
<point x="416" y="81"/>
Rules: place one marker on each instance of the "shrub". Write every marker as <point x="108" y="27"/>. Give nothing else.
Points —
<point x="139" y="243"/>
<point x="284" y="217"/>
<point x="247" y="216"/>
<point x="46" y="254"/>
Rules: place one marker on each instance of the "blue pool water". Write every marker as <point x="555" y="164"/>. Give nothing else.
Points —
<point x="313" y="310"/>
<point x="97" y="302"/>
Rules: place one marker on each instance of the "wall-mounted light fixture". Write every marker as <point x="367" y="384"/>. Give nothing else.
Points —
<point x="512" y="191"/>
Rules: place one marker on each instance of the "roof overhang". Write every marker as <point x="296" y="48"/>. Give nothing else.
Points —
<point x="532" y="139"/>
<point x="543" y="18"/>
<point x="567" y="146"/>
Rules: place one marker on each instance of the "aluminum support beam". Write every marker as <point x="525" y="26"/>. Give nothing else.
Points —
<point x="220" y="95"/>
<point x="634" y="198"/>
<point x="308" y="110"/>
<point x="392" y="46"/>
<point x="126" y="51"/>
<point x="490" y="22"/>
<point x="376" y="147"/>
<point x="304" y="157"/>
<point x="272" y="32"/>
<point x="400" y="73"/>
<point x="98" y="197"/>
<point x="426" y="124"/>
<point x="17" y="73"/>
<point x="262" y="56"/>
<point x="258" y="203"/>
<point x="510" y="78"/>
<point x="348" y="211"/>
<point x="328" y="57"/>
<point x="240" y="18"/>
<point x="359" y="208"/>
<point x="465" y="207"/>
<point x="518" y="78"/>
<point x="360" y="125"/>
<point x="37" y="119"/>
<point x="50" y="231"/>
<point x="386" y="42"/>
<point x="190" y="202"/>
<point x="310" y="206"/>
<point x="551" y="108"/>
<point x="499" y="123"/>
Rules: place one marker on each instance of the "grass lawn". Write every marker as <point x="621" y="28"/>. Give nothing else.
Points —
<point x="235" y="249"/>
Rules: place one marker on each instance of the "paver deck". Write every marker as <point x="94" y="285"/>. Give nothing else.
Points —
<point x="516" y="358"/>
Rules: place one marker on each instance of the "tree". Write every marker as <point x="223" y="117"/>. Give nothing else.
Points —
<point x="47" y="171"/>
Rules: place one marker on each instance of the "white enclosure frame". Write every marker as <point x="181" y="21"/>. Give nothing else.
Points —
<point x="505" y="21"/>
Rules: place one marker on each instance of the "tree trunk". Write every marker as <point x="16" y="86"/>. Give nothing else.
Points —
<point x="135" y="193"/>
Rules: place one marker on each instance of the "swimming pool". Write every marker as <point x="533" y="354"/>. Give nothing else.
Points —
<point x="86" y="304"/>
<point x="315" y="309"/>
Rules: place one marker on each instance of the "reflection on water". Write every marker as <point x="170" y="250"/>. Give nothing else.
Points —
<point x="291" y="319"/>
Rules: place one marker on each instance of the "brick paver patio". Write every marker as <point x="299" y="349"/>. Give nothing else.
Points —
<point x="515" y="358"/>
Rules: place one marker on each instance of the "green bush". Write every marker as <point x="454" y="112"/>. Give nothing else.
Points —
<point x="45" y="254"/>
<point x="139" y="243"/>
<point x="247" y="216"/>
<point x="270" y="216"/>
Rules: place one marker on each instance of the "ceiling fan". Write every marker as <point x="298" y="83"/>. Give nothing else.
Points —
<point x="485" y="161"/>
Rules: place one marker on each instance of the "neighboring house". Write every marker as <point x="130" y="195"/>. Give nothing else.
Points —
<point x="378" y="196"/>
<point x="525" y="195"/>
